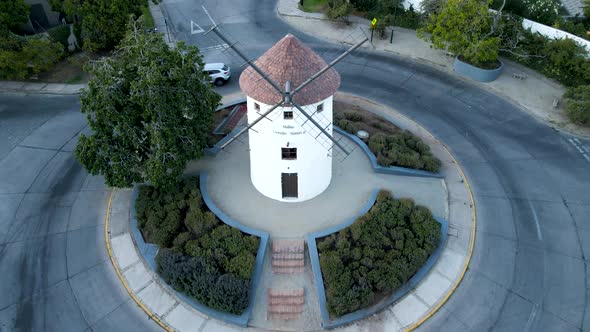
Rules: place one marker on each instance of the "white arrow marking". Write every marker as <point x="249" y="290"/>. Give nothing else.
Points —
<point x="197" y="30"/>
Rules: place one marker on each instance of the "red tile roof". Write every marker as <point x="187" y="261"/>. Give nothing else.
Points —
<point x="289" y="60"/>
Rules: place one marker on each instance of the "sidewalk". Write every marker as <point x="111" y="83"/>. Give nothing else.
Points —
<point x="536" y="94"/>
<point x="451" y="199"/>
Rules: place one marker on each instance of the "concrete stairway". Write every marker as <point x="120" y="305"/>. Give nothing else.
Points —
<point x="285" y="304"/>
<point x="288" y="256"/>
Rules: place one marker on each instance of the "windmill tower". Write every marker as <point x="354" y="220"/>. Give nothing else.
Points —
<point x="287" y="163"/>
<point x="290" y="158"/>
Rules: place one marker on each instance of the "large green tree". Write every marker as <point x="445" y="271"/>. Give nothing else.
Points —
<point x="150" y="109"/>
<point x="465" y="28"/>
<point x="12" y="14"/>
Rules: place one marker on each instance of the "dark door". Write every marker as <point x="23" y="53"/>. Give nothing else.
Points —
<point x="289" y="182"/>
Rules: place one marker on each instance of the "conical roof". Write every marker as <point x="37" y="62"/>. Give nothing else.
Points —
<point x="289" y="60"/>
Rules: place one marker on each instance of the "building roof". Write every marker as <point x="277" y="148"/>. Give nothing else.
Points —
<point x="289" y="60"/>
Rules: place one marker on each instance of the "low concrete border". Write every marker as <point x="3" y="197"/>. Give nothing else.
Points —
<point x="475" y="73"/>
<point x="401" y="292"/>
<point x="149" y="251"/>
<point x="395" y="170"/>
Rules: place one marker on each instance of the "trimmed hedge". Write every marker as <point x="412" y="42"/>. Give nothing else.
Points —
<point x="391" y="146"/>
<point x="377" y="254"/>
<point x="199" y="255"/>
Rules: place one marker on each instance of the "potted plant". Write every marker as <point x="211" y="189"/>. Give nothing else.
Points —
<point x="466" y="28"/>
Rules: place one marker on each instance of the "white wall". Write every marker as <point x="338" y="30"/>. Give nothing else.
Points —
<point x="313" y="164"/>
<point x="553" y="33"/>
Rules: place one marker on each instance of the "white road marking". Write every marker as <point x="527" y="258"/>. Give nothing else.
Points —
<point x="216" y="47"/>
<point x="198" y="28"/>
<point x="536" y="219"/>
<point x="206" y="12"/>
<point x="583" y="149"/>
<point x="529" y="322"/>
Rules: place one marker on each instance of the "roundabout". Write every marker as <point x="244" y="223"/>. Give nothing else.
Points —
<point x="530" y="183"/>
<point x="228" y="192"/>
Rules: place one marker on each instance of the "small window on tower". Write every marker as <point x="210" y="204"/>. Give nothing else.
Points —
<point x="319" y="108"/>
<point x="256" y="107"/>
<point x="289" y="153"/>
<point x="288" y="115"/>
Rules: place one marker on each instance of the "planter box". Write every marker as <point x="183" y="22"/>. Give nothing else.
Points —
<point x="477" y="74"/>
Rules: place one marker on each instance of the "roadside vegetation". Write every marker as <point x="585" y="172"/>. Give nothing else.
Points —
<point x="199" y="255"/>
<point x="48" y="56"/>
<point x="150" y="110"/>
<point x="469" y="30"/>
<point x="369" y="260"/>
<point x="391" y="145"/>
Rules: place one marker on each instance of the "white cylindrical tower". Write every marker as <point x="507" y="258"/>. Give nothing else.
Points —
<point x="290" y="159"/>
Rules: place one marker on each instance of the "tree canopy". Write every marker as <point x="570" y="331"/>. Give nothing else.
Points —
<point x="12" y="14"/>
<point x="150" y="109"/>
<point x="464" y="27"/>
<point x="103" y="21"/>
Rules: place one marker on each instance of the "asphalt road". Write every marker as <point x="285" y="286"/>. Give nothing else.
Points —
<point x="54" y="271"/>
<point x="529" y="270"/>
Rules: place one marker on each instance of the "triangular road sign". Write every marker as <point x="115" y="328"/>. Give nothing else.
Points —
<point x="195" y="28"/>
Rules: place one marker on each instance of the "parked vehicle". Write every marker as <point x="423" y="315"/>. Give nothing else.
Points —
<point x="219" y="73"/>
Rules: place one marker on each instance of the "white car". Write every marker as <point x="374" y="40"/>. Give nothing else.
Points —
<point x="219" y="73"/>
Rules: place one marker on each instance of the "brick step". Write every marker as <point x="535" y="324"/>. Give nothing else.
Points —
<point x="285" y="300"/>
<point x="285" y="316"/>
<point x="287" y="255"/>
<point x="288" y="246"/>
<point x="296" y="292"/>
<point x="285" y="309"/>
<point x="291" y="263"/>
<point x="288" y="270"/>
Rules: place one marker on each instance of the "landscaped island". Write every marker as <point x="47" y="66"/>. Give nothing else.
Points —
<point x="391" y="145"/>
<point x="199" y="255"/>
<point x="369" y="260"/>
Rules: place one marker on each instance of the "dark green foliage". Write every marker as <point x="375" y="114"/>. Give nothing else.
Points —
<point x="578" y="105"/>
<point x="200" y="255"/>
<point x="60" y="34"/>
<point x="149" y="108"/>
<point x="377" y="254"/>
<point x="560" y="59"/>
<point x="12" y="14"/>
<point x="404" y="150"/>
<point x="193" y="276"/>
<point x="22" y="57"/>
<point x="391" y="146"/>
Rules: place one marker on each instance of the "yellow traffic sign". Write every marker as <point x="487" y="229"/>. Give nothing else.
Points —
<point x="374" y="21"/>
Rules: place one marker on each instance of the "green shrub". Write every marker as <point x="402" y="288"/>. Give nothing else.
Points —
<point x="405" y="150"/>
<point x="578" y="105"/>
<point x="377" y="254"/>
<point x="21" y="58"/>
<point x="193" y="276"/>
<point x="60" y="34"/>
<point x="199" y="255"/>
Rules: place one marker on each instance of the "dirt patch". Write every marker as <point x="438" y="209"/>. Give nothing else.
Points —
<point x="70" y="70"/>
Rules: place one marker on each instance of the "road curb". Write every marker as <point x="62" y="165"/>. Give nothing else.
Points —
<point x="107" y="233"/>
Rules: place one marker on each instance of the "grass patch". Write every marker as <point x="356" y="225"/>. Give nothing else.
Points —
<point x="313" y="6"/>
<point x="148" y="19"/>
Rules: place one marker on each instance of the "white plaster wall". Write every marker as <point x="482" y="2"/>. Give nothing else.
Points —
<point x="313" y="164"/>
<point x="553" y="33"/>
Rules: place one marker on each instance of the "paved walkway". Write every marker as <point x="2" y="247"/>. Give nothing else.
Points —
<point x="535" y="94"/>
<point x="453" y="202"/>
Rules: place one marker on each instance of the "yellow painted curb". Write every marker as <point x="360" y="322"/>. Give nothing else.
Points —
<point x="150" y="314"/>
<point x="471" y="245"/>
<point x="473" y="216"/>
